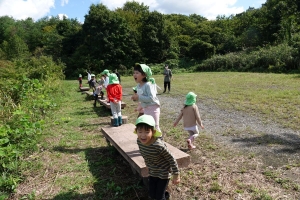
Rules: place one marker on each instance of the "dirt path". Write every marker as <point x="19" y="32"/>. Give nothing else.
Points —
<point x="277" y="146"/>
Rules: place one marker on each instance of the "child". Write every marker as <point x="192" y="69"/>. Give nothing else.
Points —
<point x="80" y="80"/>
<point x="106" y="74"/>
<point x="190" y="114"/>
<point x="99" y="90"/>
<point x="114" y="96"/>
<point x="160" y="162"/>
<point x="139" y="108"/>
<point x="146" y="92"/>
<point x="93" y="82"/>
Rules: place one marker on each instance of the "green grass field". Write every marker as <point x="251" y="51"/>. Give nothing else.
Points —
<point x="75" y="162"/>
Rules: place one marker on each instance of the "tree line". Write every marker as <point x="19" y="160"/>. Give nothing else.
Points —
<point x="116" y="39"/>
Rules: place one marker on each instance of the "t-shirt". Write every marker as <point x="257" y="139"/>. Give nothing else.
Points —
<point x="158" y="159"/>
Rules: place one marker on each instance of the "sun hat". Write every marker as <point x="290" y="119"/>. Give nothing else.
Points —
<point x="105" y="72"/>
<point x="147" y="70"/>
<point x="113" y="79"/>
<point x="92" y="74"/>
<point x="152" y="80"/>
<point x="147" y="119"/>
<point x="80" y="75"/>
<point x="190" y="98"/>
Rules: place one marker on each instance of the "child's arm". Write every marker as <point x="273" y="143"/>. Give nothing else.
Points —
<point x="150" y="94"/>
<point x="178" y="118"/>
<point x="198" y="117"/>
<point x="173" y="163"/>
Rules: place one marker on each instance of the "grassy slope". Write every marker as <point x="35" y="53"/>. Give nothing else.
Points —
<point x="76" y="163"/>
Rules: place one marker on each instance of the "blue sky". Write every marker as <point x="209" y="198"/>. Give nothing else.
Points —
<point x="36" y="9"/>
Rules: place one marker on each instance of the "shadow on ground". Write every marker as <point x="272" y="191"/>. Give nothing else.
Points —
<point x="113" y="176"/>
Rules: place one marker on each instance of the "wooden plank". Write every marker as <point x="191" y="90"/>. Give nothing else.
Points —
<point x="84" y="88"/>
<point x="88" y="93"/>
<point x="107" y="105"/>
<point x="124" y="140"/>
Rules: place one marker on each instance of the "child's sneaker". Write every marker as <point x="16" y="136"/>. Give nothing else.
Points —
<point x="189" y="142"/>
<point x="190" y="145"/>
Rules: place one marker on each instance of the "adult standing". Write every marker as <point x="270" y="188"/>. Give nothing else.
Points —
<point x="167" y="80"/>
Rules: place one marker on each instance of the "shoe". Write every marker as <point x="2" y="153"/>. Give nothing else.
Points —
<point x="190" y="145"/>
<point x="189" y="142"/>
<point x="116" y="122"/>
<point x="167" y="195"/>
<point x="164" y="91"/>
<point x="120" y="120"/>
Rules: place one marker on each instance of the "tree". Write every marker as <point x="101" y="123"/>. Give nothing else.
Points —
<point x="108" y="40"/>
<point x="155" y="43"/>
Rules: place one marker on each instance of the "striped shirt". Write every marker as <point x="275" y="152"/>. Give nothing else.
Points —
<point x="158" y="159"/>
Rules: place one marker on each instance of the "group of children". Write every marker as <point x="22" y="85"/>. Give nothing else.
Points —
<point x="160" y="162"/>
<point x="158" y="159"/>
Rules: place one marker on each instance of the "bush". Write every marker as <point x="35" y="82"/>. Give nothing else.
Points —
<point x="281" y="58"/>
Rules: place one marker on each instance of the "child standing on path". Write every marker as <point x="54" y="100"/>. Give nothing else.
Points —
<point x="190" y="114"/>
<point x="146" y="92"/>
<point x="158" y="159"/>
<point x="114" y="96"/>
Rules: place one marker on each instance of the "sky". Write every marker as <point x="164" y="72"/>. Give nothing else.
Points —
<point x="37" y="9"/>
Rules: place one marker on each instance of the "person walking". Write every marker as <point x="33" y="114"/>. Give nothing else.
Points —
<point x="191" y="116"/>
<point x="167" y="78"/>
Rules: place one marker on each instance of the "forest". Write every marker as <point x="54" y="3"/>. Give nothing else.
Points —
<point x="36" y="55"/>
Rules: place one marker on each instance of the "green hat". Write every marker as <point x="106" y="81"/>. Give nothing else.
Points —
<point x="92" y="74"/>
<point x="105" y="72"/>
<point x="190" y="98"/>
<point x="147" y="119"/>
<point x="135" y="88"/>
<point x="152" y="80"/>
<point x="113" y="79"/>
<point x="80" y="75"/>
<point x="147" y="70"/>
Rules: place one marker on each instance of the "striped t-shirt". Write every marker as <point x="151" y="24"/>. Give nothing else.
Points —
<point x="158" y="159"/>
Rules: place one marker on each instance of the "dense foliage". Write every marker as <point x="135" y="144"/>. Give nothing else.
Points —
<point x="116" y="39"/>
<point x="35" y="55"/>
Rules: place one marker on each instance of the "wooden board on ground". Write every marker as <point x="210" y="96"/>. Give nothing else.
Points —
<point x="107" y="105"/>
<point x="84" y="88"/>
<point x="88" y="93"/>
<point x="124" y="140"/>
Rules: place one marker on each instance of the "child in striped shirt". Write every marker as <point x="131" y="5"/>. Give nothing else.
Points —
<point x="160" y="162"/>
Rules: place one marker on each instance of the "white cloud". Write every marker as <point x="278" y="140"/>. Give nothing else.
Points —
<point x="61" y="16"/>
<point x="209" y="9"/>
<point x="64" y="2"/>
<point x="20" y="9"/>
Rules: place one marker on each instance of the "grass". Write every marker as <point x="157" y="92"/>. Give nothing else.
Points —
<point x="75" y="162"/>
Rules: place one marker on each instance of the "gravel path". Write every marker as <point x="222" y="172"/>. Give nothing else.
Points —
<point x="277" y="145"/>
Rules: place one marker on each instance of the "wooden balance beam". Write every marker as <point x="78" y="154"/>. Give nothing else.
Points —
<point x="124" y="140"/>
<point x="107" y="105"/>
<point x="84" y="89"/>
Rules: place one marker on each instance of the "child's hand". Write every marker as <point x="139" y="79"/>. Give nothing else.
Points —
<point x="135" y="97"/>
<point x="176" y="179"/>
<point x="201" y="125"/>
